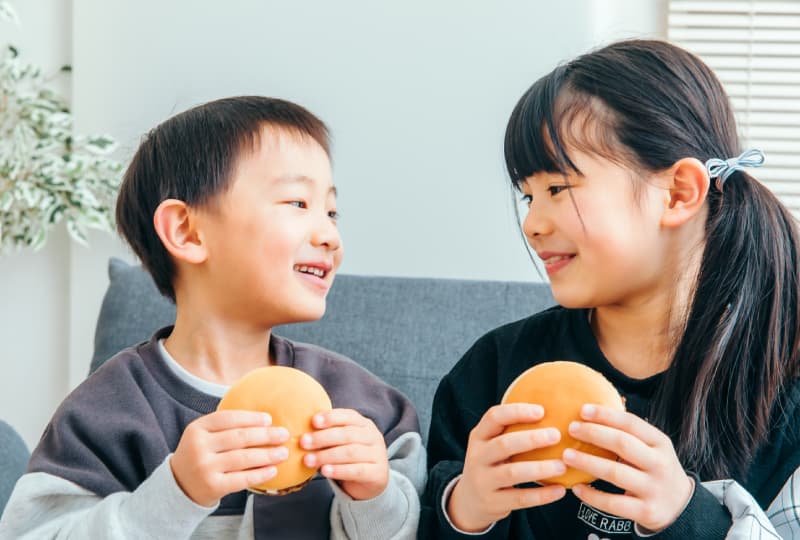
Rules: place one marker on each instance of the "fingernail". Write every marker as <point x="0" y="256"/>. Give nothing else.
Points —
<point x="560" y="468"/>
<point x="537" y="410"/>
<point x="283" y="434"/>
<point x="271" y="472"/>
<point x="574" y="427"/>
<point x="267" y="419"/>
<point x="327" y="470"/>
<point x="588" y="411"/>
<point x="569" y="455"/>
<point x="310" y="460"/>
<point x="305" y="441"/>
<point x="318" y="420"/>
<point x="577" y="489"/>
<point x="552" y="435"/>
<point x="281" y="453"/>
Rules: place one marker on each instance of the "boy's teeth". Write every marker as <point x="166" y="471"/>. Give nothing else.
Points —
<point x="310" y="270"/>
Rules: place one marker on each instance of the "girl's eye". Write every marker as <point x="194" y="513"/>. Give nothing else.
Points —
<point x="526" y="200"/>
<point x="298" y="204"/>
<point x="334" y="215"/>
<point x="555" y="190"/>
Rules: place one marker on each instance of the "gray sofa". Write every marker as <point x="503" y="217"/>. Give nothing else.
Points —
<point x="408" y="331"/>
<point x="13" y="460"/>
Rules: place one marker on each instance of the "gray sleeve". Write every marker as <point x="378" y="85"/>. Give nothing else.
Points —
<point x="395" y="512"/>
<point x="46" y="506"/>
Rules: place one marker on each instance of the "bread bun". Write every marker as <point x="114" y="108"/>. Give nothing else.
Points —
<point x="291" y="397"/>
<point x="562" y="388"/>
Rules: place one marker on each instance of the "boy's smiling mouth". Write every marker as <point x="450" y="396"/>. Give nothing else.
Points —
<point x="313" y="270"/>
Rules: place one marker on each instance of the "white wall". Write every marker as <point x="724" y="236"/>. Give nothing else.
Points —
<point x="417" y="94"/>
<point x="34" y="287"/>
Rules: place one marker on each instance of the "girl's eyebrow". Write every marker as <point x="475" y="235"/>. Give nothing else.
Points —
<point x="302" y="179"/>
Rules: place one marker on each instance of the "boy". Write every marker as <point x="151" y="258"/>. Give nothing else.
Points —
<point x="231" y="208"/>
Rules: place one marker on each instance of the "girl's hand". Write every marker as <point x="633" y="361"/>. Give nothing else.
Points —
<point x="350" y="449"/>
<point x="225" y="452"/>
<point x="485" y="493"/>
<point x="657" y="488"/>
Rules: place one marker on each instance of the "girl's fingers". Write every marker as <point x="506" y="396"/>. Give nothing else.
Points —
<point x="625" y="445"/>
<point x="349" y="453"/>
<point x="611" y="503"/>
<point x="619" y="474"/>
<point x="510" y="474"/>
<point x="496" y="419"/>
<point x="625" y="421"/>
<point x="251" y="458"/>
<point x="248" y="437"/>
<point x="506" y="445"/>
<point x="518" y="498"/>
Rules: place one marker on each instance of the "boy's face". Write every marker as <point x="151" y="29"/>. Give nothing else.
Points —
<point x="272" y="240"/>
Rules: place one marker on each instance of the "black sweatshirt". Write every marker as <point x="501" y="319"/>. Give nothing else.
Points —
<point x="479" y="381"/>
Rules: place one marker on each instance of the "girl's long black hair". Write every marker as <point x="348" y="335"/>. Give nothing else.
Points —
<point x="649" y="104"/>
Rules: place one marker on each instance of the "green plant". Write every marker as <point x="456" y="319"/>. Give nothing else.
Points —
<point x="47" y="172"/>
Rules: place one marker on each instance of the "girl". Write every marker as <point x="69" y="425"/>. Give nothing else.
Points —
<point x="677" y="278"/>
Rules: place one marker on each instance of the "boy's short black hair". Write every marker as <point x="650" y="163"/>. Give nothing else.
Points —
<point x="191" y="157"/>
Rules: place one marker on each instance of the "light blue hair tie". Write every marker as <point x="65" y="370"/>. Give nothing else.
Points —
<point x="722" y="169"/>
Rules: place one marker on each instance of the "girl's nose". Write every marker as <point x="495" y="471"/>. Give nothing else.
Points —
<point x="536" y="222"/>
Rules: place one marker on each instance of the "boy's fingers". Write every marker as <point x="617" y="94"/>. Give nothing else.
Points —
<point x="239" y="480"/>
<point x="497" y="418"/>
<point x="339" y="417"/>
<point x="350" y="472"/>
<point x="227" y="419"/>
<point x="248" y="437"/>
<point x="349" y="453"/>
<point x="337" y="436"/>
<point x="252" y="458"/>
<point x="504" y="446"/>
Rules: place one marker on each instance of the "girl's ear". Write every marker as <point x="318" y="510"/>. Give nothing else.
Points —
<point x="176" y="226"/>
<point x="687" y="188"/>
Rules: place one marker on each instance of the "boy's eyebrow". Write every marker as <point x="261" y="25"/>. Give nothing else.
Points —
<point x="303" y="179"/>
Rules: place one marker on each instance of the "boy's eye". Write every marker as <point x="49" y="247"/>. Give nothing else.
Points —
<point x="555" y="190"/>
<point x="334" y="215"/>
<point x="298" y="204"/>
<point x="526" y="200"/>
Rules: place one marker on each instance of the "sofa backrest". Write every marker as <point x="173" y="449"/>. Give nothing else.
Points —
<point x="408" y="331"/>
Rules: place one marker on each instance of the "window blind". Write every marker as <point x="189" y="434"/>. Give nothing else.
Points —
<point x="754" y="48"/>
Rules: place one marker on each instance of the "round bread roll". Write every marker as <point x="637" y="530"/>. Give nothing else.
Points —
<point x="562" y="388"/>
<point x="292" y="398"/>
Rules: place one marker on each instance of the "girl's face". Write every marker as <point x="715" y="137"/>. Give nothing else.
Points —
<point x="600" y="241"/>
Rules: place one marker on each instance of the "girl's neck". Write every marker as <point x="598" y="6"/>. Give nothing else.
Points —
<point x="639" y="336"/>
<point x="217" y="351"/>
<point x="635" y="341"/>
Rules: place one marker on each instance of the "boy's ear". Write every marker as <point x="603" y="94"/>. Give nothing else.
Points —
<point x="687" y="189"/>
<point x="176" y="226"/>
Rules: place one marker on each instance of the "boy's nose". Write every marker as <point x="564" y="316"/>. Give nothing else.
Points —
<point x="326" y="233"/>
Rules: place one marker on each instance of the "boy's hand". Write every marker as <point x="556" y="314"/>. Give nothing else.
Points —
<point x="485" y="493"/>
<point x="657" y="488"/>
<point x="225" y="452"/>
<point x="350" y="449"/>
